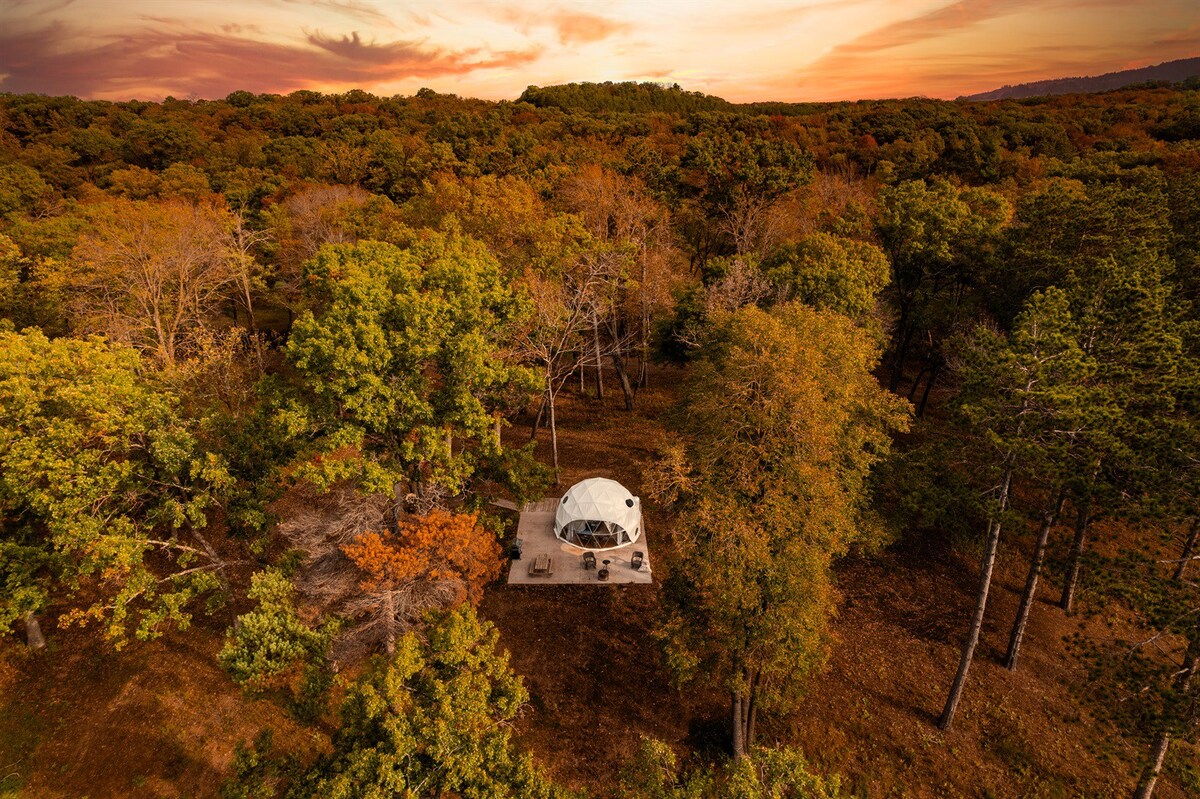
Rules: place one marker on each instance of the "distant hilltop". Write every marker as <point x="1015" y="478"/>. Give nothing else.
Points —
<point x="1170" y="72"/>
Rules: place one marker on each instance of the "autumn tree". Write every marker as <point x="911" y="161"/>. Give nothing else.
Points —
<point x="150" y="274"/>
<point x="104" y="492"/>
<point x="431" y="562"/>
<point x="556" y="327"/>
<point x="781" y="425"/>
<point x="619" y="213"/>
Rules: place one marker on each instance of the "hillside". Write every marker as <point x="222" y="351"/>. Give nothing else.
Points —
<point x="1169" y="72"/>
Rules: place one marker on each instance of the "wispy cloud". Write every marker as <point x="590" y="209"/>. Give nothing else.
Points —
<point x="934" y="24"/>
<point x="163" y="61"/>
<point x="1186" y="39"/>
<point x="355" y="9"/>
<point x="37" y="8"/>
<point x="571" y="27"/>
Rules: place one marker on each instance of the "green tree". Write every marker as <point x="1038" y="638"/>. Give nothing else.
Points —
<point x="272" y="638"/>
<point x="1126" y="324"/>
<point x="827" y="271"/>
<point x="1149" y="686"/>
<point x="99" y="479"/>
<point x="404" y="353"/>
<point x="734" y="180"/>
<point x="765" y="773"/>
<point x="938" y="238"/>
<point x="434" y="720"/>
<point x="782" y="423"/>
<point x="1017" y="393"/>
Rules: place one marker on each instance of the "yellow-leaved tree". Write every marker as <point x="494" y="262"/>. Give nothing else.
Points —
<point x="782" y="422"/>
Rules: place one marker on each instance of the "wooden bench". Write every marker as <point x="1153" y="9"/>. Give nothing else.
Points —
<point x="541" y="566"/>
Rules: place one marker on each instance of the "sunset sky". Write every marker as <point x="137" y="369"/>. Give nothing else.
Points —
<point x="750" y="50"/>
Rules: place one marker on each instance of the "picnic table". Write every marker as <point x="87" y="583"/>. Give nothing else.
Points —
<point x="541" y="566"/>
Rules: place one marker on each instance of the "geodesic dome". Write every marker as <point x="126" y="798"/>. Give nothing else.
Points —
<point x="598" y="513"/>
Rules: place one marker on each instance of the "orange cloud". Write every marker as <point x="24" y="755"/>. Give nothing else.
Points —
<point x="576" y="27"/>
<point x="956" y="16"/>
<point x="156" y="62"/>
<point x="571" y="27"/>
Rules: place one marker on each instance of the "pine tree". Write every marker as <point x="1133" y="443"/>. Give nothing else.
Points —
<point x="1018" y="392"/>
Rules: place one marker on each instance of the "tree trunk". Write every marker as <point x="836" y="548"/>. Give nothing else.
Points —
<point x="903" y="337"/>
<point x="626" y="388"/>
<point x="553" y="436"/>
<point x="752" y="713"/>
<point x="645" y="348"/>
<point x="389" y="623"/>
<point x="1049" y="515"/>
<point x="599" y="362"/>
<point x="985" y="584"/>
<point x="933" y="376"/>
<point x="912" y="390"/>
<point x="1189" y="547"/>
<point x="737" y="722"/>
<point x="537" y="419"/>
<point x="33" y="632"/>
<point x="1158" y="752"/>
<point x="1071" y="580"/>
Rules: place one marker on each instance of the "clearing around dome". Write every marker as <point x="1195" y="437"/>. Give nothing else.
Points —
<point x="592" y="534"/>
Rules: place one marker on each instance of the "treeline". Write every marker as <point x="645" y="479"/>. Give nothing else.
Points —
<point x="264" y="351"/>
<point x="625" y="96"/>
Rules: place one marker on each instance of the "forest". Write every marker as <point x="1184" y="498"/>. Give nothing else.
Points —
<point x="911" y="389"/>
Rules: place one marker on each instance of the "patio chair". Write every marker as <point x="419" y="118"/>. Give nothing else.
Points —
<point x="589" y="560"/>
<point x="637" y="560"/>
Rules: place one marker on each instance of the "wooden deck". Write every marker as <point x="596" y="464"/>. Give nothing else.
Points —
<point x="536" y="531"/>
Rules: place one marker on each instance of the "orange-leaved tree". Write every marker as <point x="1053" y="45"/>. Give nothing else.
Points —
<point x="433" y="561"/>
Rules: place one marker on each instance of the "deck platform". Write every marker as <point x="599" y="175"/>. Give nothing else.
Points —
<point x="536" y="531"/>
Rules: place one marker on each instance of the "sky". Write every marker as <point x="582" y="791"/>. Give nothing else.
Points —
<point x="793" y="50"/>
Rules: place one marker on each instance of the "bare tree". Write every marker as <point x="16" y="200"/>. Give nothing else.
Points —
<point x="247" y="271"/>
<point x="381" y="568"/>
<point x="620" y="215"/>
<point x="151" y="274"/>
<point x="556" y="328"/>
<point x="742" y="285"/>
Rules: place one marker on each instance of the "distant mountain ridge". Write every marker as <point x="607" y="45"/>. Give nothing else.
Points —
<point x="1170" y="71"/>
